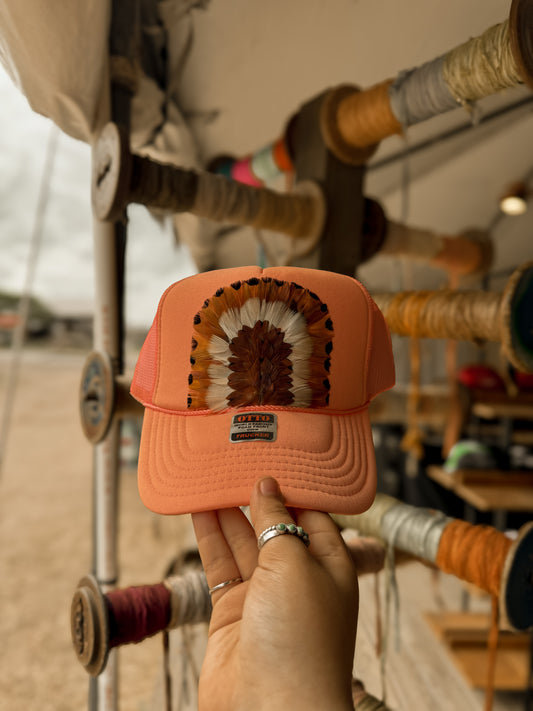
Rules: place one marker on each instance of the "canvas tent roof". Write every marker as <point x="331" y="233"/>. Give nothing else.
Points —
<point x="250" y="66"/>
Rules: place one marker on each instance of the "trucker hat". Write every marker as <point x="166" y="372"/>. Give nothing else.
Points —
<point x="248" y="372"/>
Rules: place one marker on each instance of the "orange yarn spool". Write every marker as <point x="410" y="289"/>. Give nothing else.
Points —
<point x="282" y="158"/>
<point x="365" y="118"/>
<point x="476" y="554"/>
<point x="470" y="253"/>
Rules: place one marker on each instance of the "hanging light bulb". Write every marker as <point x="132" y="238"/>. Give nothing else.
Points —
<point x="514" y="200"/>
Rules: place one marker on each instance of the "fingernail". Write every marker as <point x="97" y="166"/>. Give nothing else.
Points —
<point x="269" y="487"/>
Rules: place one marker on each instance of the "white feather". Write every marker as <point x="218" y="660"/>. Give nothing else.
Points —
<point x="273" y="312"/>
<point x="302" y="396"/>
<point x="217" y="396"/>
<point x="230" y="323"/>
<point x="219" y="349"/>
<point x="249" y="312"/>
<point x="218" y="372"/>
<point x="290" y="321"/>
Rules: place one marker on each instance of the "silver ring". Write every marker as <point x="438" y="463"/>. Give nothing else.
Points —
<point x="224" y="584"/>
<point x="280" y="529"/>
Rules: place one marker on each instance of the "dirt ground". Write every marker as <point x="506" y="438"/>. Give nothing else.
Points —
<point x="45" y="544"/>
<point x="45" y="548"/>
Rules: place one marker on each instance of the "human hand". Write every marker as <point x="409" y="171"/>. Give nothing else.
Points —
<point x="286" y="634"/>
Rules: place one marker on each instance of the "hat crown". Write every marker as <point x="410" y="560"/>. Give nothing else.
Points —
<point x="251" y="337"/>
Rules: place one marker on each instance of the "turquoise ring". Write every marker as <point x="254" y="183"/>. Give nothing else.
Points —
<point x="281" y="529"/>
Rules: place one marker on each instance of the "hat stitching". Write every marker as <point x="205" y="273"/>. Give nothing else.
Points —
<point x="301" y="480"/>
<point x="281" y="456"/>
<point x="253" y="408"/>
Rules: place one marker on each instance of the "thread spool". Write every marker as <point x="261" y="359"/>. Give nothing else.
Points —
<point x="282" y="155"/>
<point x="242" y="171"/>
<point x="468" y="253"/>
<point x="341" y="136"/>
<point x="266" y="164"/>
<point x="476" y="316"/>
<point x="222" y="165"/>
<point x="103" y="396"/>
<point x="368" y="554"/>
<point x="120" y="177"/>
<point x="501" y="57"/>
<point x="101" y="622"/>
<point x="422" y="533"/>
<point x="520" y="36"/>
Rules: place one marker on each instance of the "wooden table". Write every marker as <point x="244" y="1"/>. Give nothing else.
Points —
<point x="465" y="637"/>
<point x="488" y="489"/>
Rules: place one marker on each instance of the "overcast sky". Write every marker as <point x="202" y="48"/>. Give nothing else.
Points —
<point x="64" y="272"/>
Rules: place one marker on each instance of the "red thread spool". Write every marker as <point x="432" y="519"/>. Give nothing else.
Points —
<point x="100" y="622"/>
<point x="137" y="613"/>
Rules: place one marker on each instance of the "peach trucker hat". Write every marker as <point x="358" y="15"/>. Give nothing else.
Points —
<point x="248" y="372"/>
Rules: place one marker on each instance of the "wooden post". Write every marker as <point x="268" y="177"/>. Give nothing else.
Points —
<point x="340" y="248"/>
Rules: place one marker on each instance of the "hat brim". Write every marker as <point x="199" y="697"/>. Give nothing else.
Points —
<point x="322" y="462"/>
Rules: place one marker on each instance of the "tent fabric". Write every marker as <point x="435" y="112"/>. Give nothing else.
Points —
<point x="56" y="53"/>
<point x="54" y="60"/>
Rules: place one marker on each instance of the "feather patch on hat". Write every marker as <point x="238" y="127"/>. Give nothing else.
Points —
<point x="261" y="342"/>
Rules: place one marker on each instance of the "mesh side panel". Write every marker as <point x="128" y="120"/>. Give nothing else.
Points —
<point x="380" y="370"/>
<point x="144" y="377"/>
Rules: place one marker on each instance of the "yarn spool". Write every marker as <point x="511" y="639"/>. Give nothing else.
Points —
<point x="120" y="177"/>
<point x="501" y="57"/>
<point x="242" y="171"/>
<point x="103" y="396"/>
<point x="506" y="573"/>
<point x="469" y="253"/>
<point x="485" y="557"/>
<point x="521" y="38"/>
<point x="469" y="316"/>
<point x="266" y="164"/>
<point x="368" y="554"/>
<point x="99" y="622"/>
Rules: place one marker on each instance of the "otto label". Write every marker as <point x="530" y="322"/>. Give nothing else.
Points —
<point x="249" y="426"/>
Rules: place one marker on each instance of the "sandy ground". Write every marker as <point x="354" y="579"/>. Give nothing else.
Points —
<point x="45" y="548"/>
<point x="45" y="544"/>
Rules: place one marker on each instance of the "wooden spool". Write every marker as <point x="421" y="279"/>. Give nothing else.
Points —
<point x="103" y="396"/>
<point x="521" y="37"/>
<point x="96" y="617"/>
<point x="351" y="136"/>
<point x="92" y="615"/>
<point x="97" y="396"/>
<point x="516" y="585"/>
<point x="89" y="626"/>
<point x="468" y="253"/>
<point x="516" y="590"/>
<point x="516" y="318"/>
<point x="111" y="173"/>
<point x="340" y="248"/>
<point x="331" y="128"/>
<point x="120" y="177"/>
<point x="443" y="314"/>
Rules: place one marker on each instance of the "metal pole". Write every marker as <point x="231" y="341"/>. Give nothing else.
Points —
<point x="109" y="244"/>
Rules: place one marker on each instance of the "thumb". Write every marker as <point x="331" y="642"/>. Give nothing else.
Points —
<point x="268" y="510"/>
